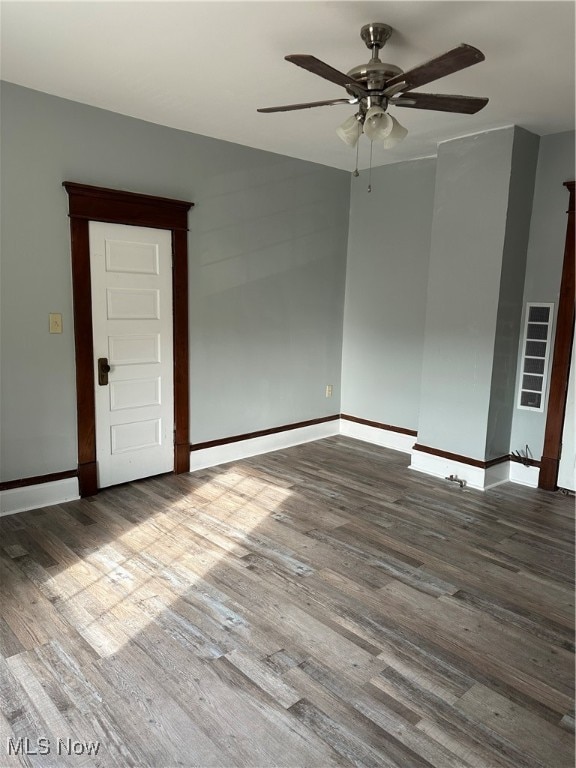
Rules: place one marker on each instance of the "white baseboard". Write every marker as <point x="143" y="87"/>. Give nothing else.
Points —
<point x="243" y="449"/>
<point x="475" y="477"/>
<point x="59" y="491"/>
<point x="35" y="496"/>
<point x="384" y="437"/>
<point x="524" y="475"/>
<point x="437" y="466"/>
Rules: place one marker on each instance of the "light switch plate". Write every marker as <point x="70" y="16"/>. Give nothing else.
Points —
<point x="55" y="320"/>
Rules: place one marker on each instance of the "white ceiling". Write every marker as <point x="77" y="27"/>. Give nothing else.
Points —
<point x="205" y="67"/>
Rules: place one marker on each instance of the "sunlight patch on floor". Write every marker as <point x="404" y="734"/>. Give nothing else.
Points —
<point x="118" y="588"/>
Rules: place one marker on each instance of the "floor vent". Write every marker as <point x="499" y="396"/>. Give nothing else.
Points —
<point x="535" y="356"/>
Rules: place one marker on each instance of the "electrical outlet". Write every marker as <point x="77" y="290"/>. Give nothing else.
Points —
<point x="328" y="390"/>
<point x="55" y="322"/>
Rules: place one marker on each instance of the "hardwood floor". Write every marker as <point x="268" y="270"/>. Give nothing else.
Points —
<point x="318" y="606"/>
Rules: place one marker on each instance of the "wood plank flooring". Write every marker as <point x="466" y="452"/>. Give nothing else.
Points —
<point x="319" y="606"/>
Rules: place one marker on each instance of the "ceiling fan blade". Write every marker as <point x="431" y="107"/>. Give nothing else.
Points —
<point x="290" y="107"/>
<point x="452" y="61"/>
<point x="467" y="105"/>
<point x="317" y="67"/>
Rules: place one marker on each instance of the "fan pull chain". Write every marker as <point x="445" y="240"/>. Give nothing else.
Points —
<point x="370" y="172"/>
<point x="356" y="174"/>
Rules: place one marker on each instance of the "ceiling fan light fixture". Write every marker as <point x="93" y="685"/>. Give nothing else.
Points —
<point x="350" y="131"/>
<point x="377" y="124"/>
<point x="396" y="135"/>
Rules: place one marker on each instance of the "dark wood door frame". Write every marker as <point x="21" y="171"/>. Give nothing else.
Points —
<point x="561" y="363"/>
<point x="85" y="204"/>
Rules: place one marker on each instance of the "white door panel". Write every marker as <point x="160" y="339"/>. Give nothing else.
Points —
<point x="124" y="350"/>
<point x="127" y="256"/>
<point x="135" y="435"/>
<point x="133" y="304"/>
<point x="134" y="393"/>
<point x="131" y="273"/>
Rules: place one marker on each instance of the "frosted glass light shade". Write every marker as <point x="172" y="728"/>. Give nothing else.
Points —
<point x="350" y="131"/>
<point x="377" y="124"/>
<point x="396" y="135"/>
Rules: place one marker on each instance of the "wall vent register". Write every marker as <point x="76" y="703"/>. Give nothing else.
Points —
<point x="535" y="356"/>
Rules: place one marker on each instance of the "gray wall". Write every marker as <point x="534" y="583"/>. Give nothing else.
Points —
<point x="268" y="240"/>
<point x="523" y="171"/>
<point x="468" y="232"/>
<point x="387" y="275"/>
<point x="267" y="243"/>
<point x="544" y="260"/>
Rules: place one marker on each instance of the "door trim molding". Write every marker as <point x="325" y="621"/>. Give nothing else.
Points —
<point x="87" y="203"/>
<point x="561" y="361"/>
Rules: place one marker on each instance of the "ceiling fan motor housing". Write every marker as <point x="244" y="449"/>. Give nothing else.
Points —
<point x="375" y="73"/>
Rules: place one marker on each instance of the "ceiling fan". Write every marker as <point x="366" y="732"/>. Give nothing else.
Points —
<point x="375" y="86"/>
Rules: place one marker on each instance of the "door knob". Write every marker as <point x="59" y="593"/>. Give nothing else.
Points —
<point x="103" y="371"/>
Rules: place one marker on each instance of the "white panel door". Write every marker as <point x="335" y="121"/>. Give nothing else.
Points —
<point x="131" y="273"/>
<point x="567" y="466"/>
